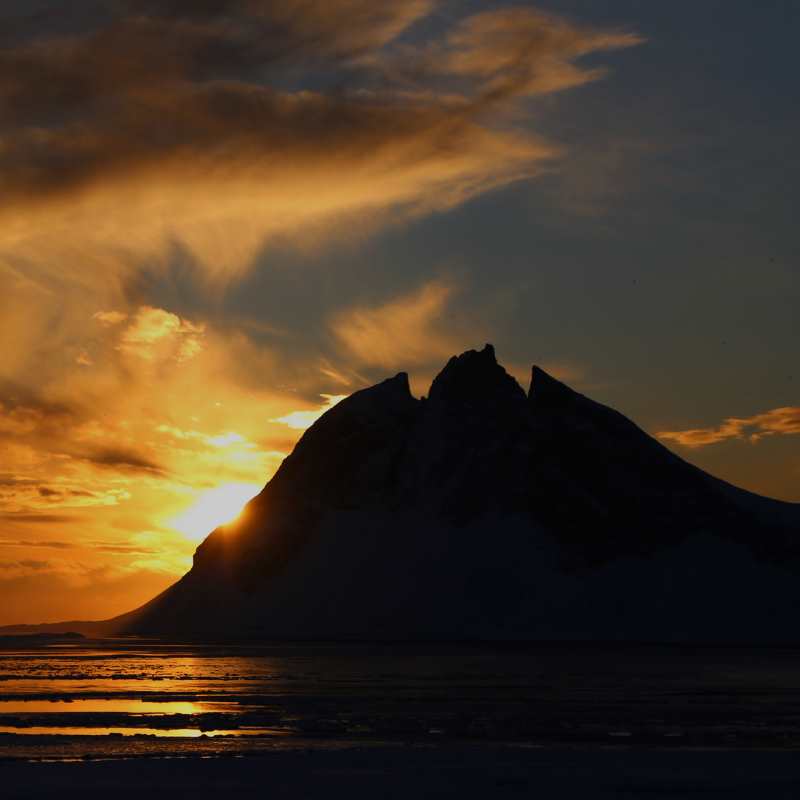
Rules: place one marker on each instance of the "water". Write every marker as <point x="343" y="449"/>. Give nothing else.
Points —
<point x="168" y="733"/>
<point x="96" y="697"/>
<point x="137" y="707"/>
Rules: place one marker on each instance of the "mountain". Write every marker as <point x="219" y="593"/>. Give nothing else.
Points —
<point x="483" y="512"/>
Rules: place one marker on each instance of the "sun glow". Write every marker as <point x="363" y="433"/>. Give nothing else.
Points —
<point x="214" y="508"/>
<point x="301" y="420"/>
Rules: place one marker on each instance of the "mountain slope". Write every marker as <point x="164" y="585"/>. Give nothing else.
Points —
<point x="483" y="512"/>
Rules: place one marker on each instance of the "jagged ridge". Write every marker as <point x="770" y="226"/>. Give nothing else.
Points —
<point x="483" y="512"/>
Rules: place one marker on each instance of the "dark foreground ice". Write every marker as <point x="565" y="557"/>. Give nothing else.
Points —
<point x="132" y="717"/>
<point x="404" y="772"/>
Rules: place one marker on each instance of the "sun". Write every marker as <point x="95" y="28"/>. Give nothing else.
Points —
<point x="213" y="508"/>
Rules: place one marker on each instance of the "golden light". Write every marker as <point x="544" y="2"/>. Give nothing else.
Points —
<point x="214" y="508"/>
<point x="301" y="420"/>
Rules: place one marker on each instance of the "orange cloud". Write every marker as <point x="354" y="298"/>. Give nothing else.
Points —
<point x="155" y="333"/>
<point x="110" y="440"/>
<point x="783" y="421"/>
<point x="165" y="123"/>
<point x="109" y="317"/>
<point x="510" y="52"/>
<point x="406" y="331"/>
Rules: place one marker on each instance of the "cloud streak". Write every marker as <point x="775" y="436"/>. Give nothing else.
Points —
<point x="27" y="543"/>
<point x="784" y="421"/>
<point x="511" y="52"/>
<point x="405" y="331"/>
<point x="166" y="121"/>
<point x="124" y="459"/>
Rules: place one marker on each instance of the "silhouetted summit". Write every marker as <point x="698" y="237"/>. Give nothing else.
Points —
<point x="475" y="379"/>
<point x="483" y="512"/>
<point x="547" y="392"/>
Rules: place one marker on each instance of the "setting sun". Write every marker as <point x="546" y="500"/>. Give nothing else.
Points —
<point x="214" y="508"/>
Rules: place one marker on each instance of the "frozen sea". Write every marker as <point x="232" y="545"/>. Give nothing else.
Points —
<point x="424" y="720"/>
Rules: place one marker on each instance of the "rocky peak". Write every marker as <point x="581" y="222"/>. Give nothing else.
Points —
<point x="475" y="378"/>
<point x="547" y="392"/>
<point x="385" y="400"/>
<point x="467" y="452"/>
<point x="391" y="395"/>
<point x="348" y="449"/>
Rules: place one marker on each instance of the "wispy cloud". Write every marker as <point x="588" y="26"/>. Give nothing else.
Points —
<point x="26" y="543"/>
<point x="177" y="120"/>
<point x="24" y="566"/>
<point x="35" y="518"/>
<point x="512" y="52"/>
<point x="408" y="330"/>
<point x="783" y="421"/>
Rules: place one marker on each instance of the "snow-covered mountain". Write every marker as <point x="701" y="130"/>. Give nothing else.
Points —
<point x="481" y="512"/>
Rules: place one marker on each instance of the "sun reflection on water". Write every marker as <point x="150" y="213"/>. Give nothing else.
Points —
<point x="180" y="733"/>
<point x="100" y="705"/>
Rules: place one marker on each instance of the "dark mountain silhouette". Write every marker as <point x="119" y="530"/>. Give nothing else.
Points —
<point x="485" y="513"/>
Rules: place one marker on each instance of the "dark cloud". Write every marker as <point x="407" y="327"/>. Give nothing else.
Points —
<point x="44" y="519"/>
<point x="16" y="481"/>
<point x="14" y="395"/>
<point x="125" y="549"/>
<point x="266" y="29"/>
<point x="35" y="564"/>
<point x="165" y="80"/>
<point x="49" y="493"/>
<point x="30" y="543"/>
<point x="51" y="428"/>
<point x="122" y="458"/>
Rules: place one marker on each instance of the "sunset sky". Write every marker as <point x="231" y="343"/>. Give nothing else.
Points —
<point x="218" y="217"/>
